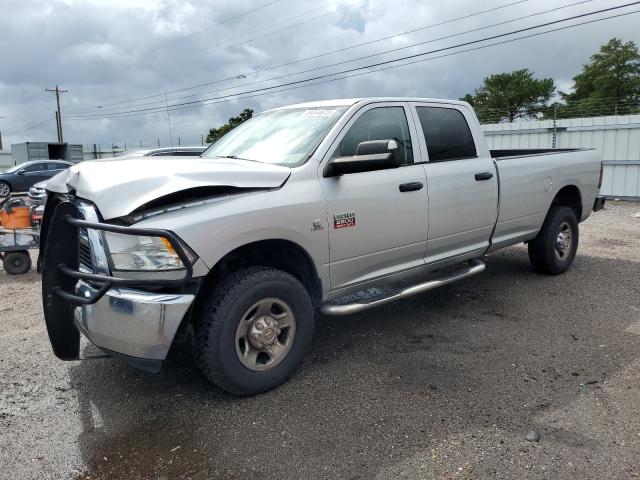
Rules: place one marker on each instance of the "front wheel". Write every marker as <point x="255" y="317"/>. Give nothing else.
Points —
<point x="554" y="248"/>
<point x="253" y="330"/>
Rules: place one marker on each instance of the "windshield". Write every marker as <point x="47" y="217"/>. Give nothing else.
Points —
<point x="15" y="168"/>
<point x="284" y="137"/>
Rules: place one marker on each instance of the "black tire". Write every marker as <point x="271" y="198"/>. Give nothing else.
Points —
<point x="548" y="253"/>
<point x="218" y="323"/>
<point x="5" y="189"/>
<point x="17" y="263"/>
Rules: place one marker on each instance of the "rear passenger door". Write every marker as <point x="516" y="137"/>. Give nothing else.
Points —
<point x="462" y="182"/>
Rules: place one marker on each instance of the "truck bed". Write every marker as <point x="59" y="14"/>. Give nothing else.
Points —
<point x="522" y="152"/>
<point x="531" y="178"/>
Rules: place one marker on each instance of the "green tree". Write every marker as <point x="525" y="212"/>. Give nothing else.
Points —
<point x="608" y="84"/>
<point x="216" y="133"/>
<point x="511" y="95"/>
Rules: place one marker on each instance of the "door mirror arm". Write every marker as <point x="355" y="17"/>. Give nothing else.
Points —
<point x="370" y="156"/>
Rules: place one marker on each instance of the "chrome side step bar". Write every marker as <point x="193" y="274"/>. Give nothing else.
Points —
<point x="475" y="267"/>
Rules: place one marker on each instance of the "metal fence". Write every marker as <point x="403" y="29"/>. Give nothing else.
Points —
<point x="617" y="138"/>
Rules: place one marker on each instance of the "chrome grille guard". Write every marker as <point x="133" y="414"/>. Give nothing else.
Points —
<point x="104" y="282"/>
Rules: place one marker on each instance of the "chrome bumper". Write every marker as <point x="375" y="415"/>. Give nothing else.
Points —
<point x="131" y="322"/>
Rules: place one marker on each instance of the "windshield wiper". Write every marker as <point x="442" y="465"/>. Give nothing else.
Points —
<point x="235" y="157"/>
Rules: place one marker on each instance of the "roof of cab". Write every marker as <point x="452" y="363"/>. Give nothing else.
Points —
<point x="347" y="102"/>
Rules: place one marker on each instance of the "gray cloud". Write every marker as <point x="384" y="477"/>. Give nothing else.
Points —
<point x="106" y="51"/>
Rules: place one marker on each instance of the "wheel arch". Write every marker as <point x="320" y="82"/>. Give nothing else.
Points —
<point x="569" y="196"/>
<point x="282" y="254"/>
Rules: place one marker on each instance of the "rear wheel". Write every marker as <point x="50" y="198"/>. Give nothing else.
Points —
<point x="554" y="249"/>
<point x="17" y="263"/>
<point x="5" y="189"/>
<point x="253" y="330"/>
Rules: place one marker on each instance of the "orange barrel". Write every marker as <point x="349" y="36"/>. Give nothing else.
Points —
<point x="20" y="217"/>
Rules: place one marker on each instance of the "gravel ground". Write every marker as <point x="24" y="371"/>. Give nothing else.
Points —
<point x="444" y="385"/>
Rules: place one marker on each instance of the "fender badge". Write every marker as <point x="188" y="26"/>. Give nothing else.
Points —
<point x="317" y="225"/>
<point x="344" y="220"/>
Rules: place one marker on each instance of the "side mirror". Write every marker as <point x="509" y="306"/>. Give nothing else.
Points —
<point x="370" y="156"/>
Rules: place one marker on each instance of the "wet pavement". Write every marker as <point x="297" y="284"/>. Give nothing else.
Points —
<point x="444" y="385"/>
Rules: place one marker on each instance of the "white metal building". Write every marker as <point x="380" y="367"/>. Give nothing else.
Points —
<point x="617" y="138"/>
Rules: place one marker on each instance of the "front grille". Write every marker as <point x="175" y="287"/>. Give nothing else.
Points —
<point x="85" y="260"/>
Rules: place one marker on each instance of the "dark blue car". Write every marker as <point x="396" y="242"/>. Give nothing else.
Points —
<point x="22" y="177"/>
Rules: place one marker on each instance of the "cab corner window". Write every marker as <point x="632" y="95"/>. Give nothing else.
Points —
<point x="447" y="134"/>
<point x="380" y="123"/>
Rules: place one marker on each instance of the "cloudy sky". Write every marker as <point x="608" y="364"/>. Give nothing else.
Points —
<point x="118" y="58"/>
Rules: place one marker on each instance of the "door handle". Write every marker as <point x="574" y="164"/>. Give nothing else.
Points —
<point x="411" y="186"/>
<point x="483" y="176"/>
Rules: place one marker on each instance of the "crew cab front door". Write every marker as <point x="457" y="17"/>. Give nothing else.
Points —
<point x="462" y="181"/>
<point x="377" y="220"/>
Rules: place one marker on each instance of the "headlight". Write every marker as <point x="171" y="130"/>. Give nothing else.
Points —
<point x="142" y="253"/>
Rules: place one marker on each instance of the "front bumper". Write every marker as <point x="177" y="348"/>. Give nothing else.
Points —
<point x="131" y="322"/>
<point x="37" y="197"/>
<point x="119" y="315"/>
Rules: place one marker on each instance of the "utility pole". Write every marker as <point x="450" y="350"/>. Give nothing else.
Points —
<point x="555" y="125"/>
<point x="58" y="91"/>
<point x="1" y="136"/>
<point x="166" y="103"/>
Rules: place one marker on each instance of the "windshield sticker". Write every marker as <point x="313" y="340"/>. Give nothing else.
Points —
<point x="318" y="113"/>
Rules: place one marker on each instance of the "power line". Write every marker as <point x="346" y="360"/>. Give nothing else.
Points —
<point x="356" y="4"/>
<point x="411" y="62"/>
<point x="232" y="45"/>
<point x="255" y="72"/>
<point x="39" y="124"/>
<point x="419" y="60"/>
<point x="379" y="53"/>
<point x="300" y="15"/>
<point x="493" y="37"/>
<point x="222" y="22"/>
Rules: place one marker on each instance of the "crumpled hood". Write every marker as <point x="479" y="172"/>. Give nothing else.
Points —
<point x="118" y="187"/>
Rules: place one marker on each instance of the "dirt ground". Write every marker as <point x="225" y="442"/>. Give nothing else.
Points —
<point x="444" y="385"/>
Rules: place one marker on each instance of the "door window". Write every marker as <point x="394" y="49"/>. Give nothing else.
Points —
<point x="447" y="134"/>
<point x="381" y="123"/>
<point x="36" y="167"/>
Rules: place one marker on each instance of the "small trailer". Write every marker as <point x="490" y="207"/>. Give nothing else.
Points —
<point x="19" y="233"/>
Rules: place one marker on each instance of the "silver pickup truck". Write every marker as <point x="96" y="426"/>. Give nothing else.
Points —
<point x="334" y="207"/>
